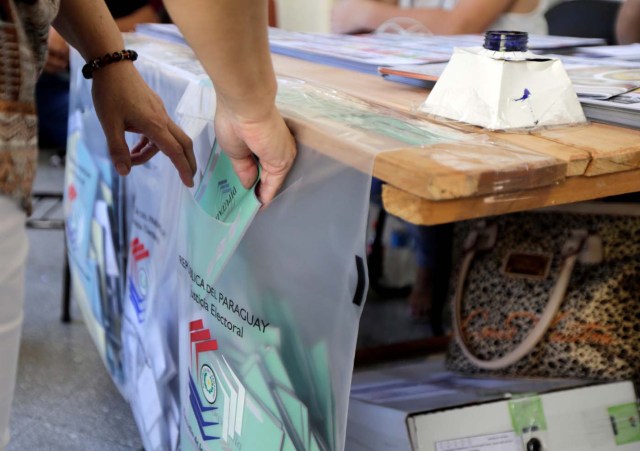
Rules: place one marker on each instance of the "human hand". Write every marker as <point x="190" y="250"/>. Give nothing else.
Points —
<point x="265" y="136"/>
<point x="58" y="55"/>
<point x="348" y="16"/>
<point x="124" y="102"/>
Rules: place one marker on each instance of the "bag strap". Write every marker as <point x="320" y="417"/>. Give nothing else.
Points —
<point x="483" y="238"/>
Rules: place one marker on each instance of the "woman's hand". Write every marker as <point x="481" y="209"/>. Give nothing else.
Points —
<point x="124" y="102"/>
<point x="265" y="136"/>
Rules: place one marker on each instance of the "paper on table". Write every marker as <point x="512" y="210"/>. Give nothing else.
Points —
<point x="628" y="52"/>
<point x="366" y="52"/>
<point x="604" y="81"/>
<point x="623" y="109"/>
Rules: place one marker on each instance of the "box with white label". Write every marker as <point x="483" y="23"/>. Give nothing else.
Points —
<point x="423" y="407"/>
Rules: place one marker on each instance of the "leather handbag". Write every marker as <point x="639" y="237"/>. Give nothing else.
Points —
<point x="549" y="294"/>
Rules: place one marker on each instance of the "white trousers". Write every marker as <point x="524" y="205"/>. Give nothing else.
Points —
<point x="13" y="255"/>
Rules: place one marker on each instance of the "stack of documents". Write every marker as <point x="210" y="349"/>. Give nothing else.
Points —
<point x="607" y="88"/>
<point x="365" y="53"/>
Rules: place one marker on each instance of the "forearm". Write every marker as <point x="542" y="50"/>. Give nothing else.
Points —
<point x="469" y="16"/>
<point x="88" y="26"/>
<point x="146" y="14"/>
<point x="231" y="40"/>
<point x="628" y="23"/>
<point x="437" y="21"/>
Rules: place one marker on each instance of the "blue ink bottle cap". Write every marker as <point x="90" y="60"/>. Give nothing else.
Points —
<point x="506" y="41"/>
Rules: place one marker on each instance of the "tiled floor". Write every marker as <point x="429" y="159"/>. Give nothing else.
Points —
<point x="64" y="398"/>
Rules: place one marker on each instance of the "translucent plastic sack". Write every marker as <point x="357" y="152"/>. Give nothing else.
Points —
<point x="150" y="313"/>
<point x="267" y="346"/>
<point x="94" y="226"/>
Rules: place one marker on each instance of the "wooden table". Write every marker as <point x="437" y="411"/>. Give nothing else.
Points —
<point x="510" y="171"/>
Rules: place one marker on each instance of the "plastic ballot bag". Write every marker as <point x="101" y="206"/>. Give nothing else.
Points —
<point x="93" y="229"/>
<point x="268" y="332"/>
<point x="150" y="312"/>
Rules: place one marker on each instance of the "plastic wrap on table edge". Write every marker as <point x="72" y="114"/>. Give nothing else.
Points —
<point x="376" y="129"/>
<point x="355" y="131"/>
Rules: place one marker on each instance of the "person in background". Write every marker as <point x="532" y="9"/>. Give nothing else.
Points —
<point x="628" y="22"/>
<point x="443" y="16"/>
<point x="52" y="89"/>
<point x="123" y="102"/>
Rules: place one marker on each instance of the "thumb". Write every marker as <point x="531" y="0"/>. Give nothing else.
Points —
<point x="118" y="149"/>
<point x="246" y="169"/>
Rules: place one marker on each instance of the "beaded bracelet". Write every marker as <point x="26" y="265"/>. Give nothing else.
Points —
<point x="98" y="63"/>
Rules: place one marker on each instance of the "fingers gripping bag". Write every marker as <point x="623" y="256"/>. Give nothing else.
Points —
<point x="267" y="340"/>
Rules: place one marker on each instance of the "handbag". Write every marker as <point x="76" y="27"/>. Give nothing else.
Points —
<point x="549" y="293"/>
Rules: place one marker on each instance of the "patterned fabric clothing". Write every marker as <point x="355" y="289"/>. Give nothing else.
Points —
<point x="24" y="26"/>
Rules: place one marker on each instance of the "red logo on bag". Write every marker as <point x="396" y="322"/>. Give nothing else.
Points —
<point x="138" y="250"/>
<point x="202" y="339"/>
<point x="139" y="278"/>
<point x="72" y="193"/>
<point x="205" y="381"/>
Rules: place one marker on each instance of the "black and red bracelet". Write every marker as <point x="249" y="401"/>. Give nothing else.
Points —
<point x="98" y="63"/>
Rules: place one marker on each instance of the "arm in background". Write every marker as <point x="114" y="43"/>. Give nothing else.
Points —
<point x="123" y="101"/>
<point x="230" y="38"/>
<point x="146" y="14"/>
<point x="468" y="16"/>
<point x="628" y="23"/>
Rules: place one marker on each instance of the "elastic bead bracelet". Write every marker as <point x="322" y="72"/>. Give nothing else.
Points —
<point x="100" y="62"/>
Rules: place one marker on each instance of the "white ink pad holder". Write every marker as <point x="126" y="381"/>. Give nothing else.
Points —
<point x="503" y="86"/>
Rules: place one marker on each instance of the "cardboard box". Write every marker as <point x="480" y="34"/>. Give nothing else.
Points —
<point x="423" y="407"/>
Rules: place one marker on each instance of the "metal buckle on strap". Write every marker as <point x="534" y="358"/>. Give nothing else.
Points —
<point x="573" y="246"/>
<point x="482" y="237"/>
<point x="587" y="247"/>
